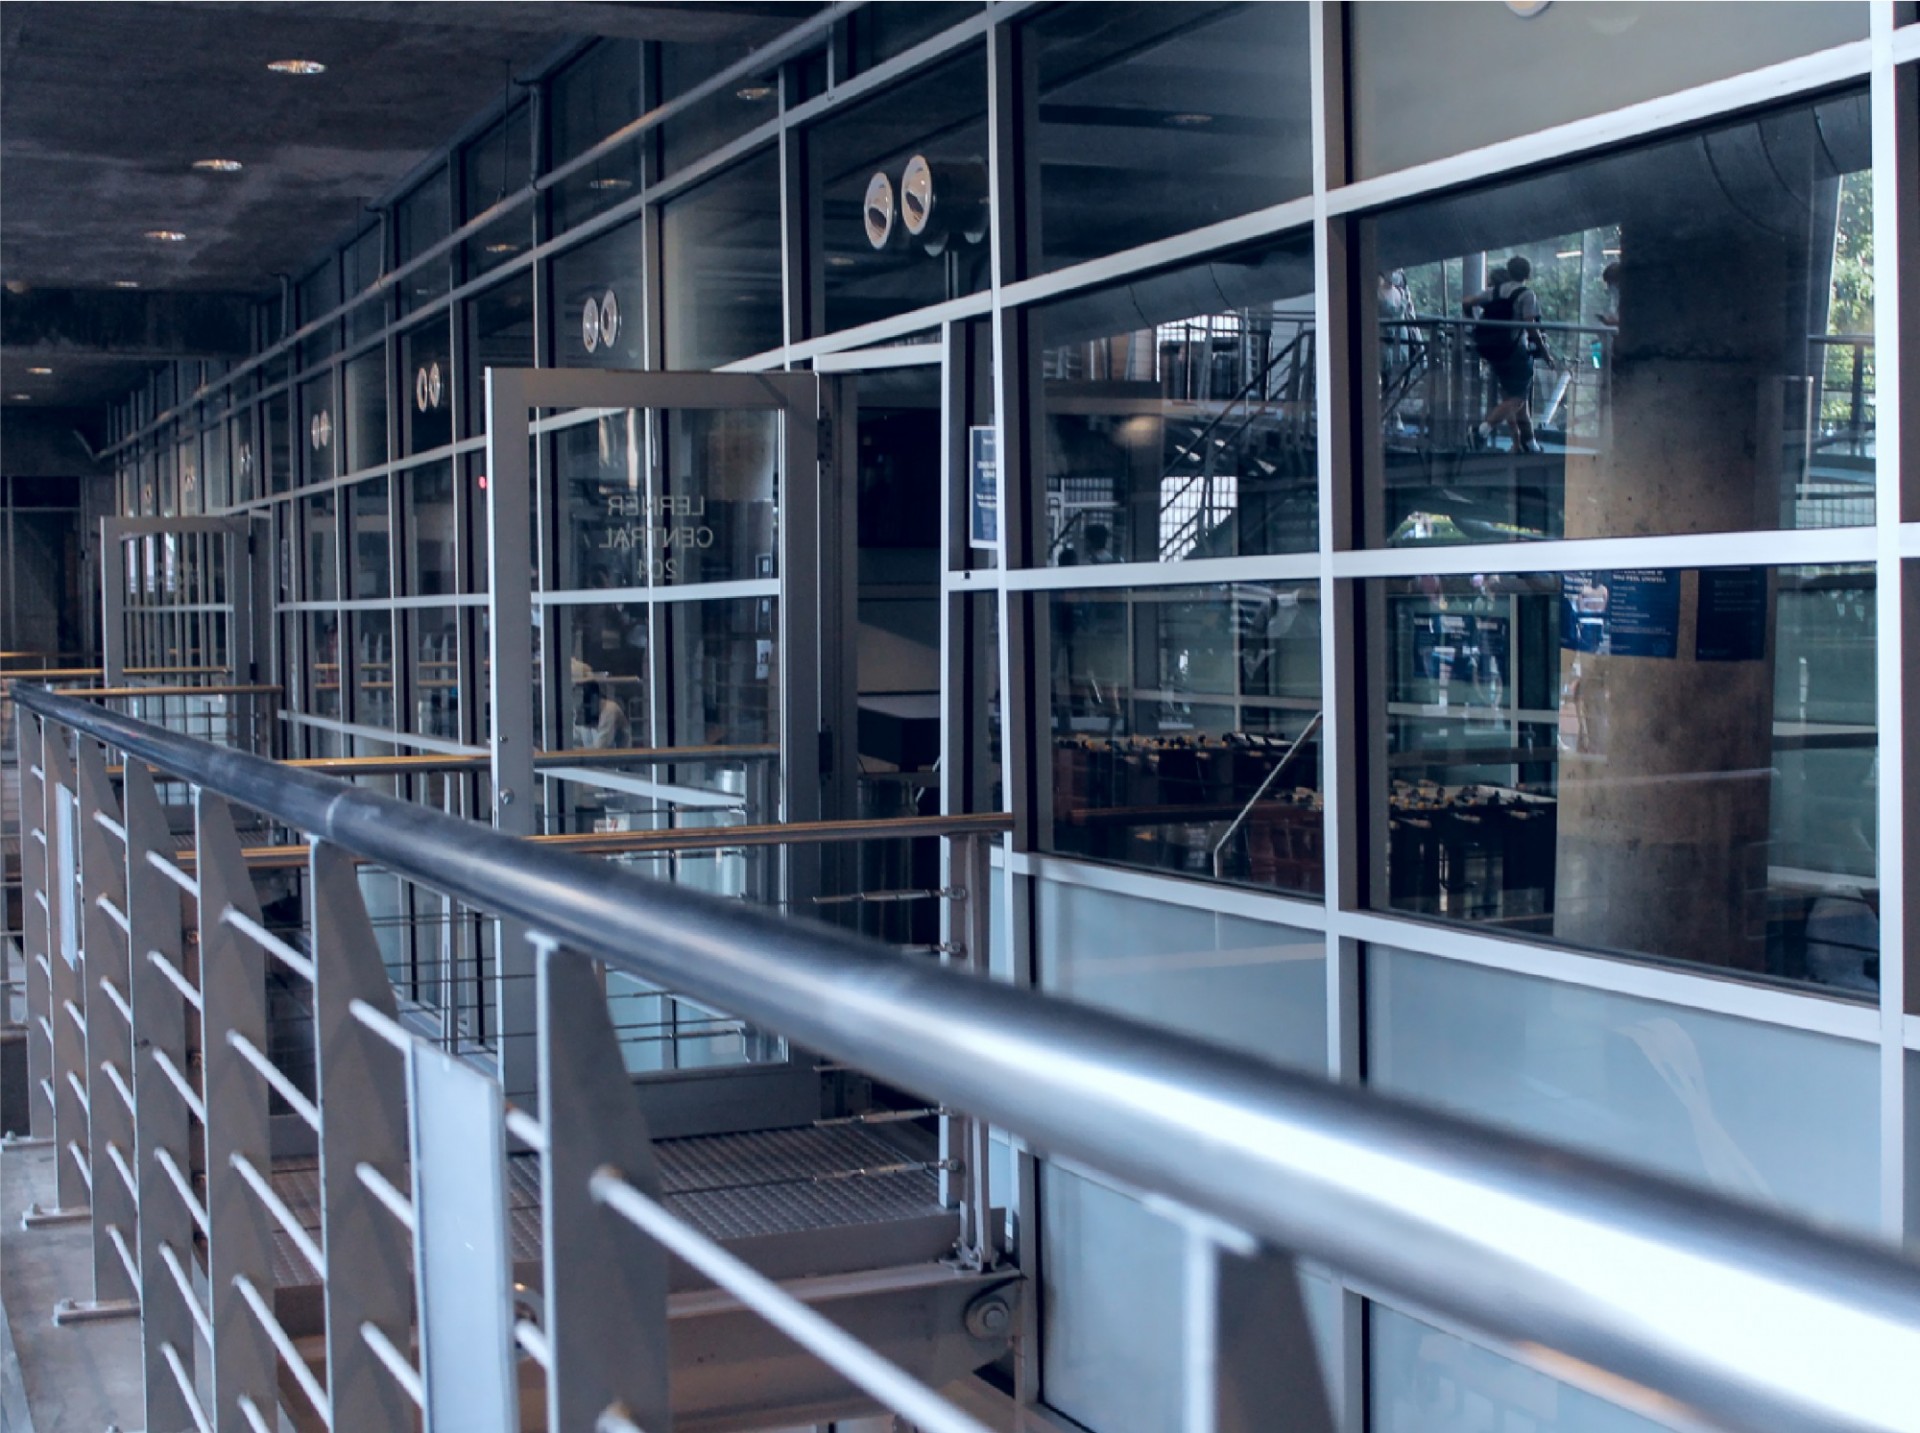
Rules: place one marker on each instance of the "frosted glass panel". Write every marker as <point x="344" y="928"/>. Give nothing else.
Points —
<point x="1111" y="1334"/>
<point x="1249" y="984"/>
<point x="1424" y="1381"/>
<point x="1757" y="1112"/>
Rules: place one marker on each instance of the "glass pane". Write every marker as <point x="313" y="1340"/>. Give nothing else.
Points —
<point x="1180" y="414"/>
<point x="366" y="379"/>
<point x="720" y="248"/>
<point x="877" y="33"/>
<point x="323" y="647"/>
<point x="1678" y="763"/>
<point x="862" y="155"/>
<point x="363" y="261"/>
<point x="436" y="672"/>
<point x="606" y="689"/>
<point x="420" y="221"/>
<point x="611" y="533"/>
<point x="717" y="520"/>
<point x="318" y="424"/>
<point x="279" y="425"/>
<point x="500" y="335"/>
<point x="1677" y="338"/>
<point x="1555" y="63"/>
<point x="426" y="379"/>
<point x="723" y="116"/>
<point x="596" y="291"/>
<point x="725" y="662"/>
<point x="1180" y="731"/>
<point x="372" y="528"/>
<point x="1156" y="119"/>
<point x="1757" y="1112"/>
<point x="431" y="532"/>
<point x="323" y="546"/>
<point x="594" y="96"/>
<point x="319" y="294"/>
<point x="373" y="668"/>
<point x="1424" y="1381"/>
<point x="1251" y="985"/>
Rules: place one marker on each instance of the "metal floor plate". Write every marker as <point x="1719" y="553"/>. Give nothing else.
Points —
<point x="730" y="1186"/>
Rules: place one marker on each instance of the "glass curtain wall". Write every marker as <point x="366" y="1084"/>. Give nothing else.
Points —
<point x="1462" y="635"/>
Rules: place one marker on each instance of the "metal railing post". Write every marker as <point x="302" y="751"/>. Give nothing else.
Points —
<point x="363" y="1125"/>
<point x="965" y="1146"/>
<point x="233" y="984"/>
<point x="162" y="1126"/>
<point x="66" y="999"/>
<point x="34" y="946"/>
<point x="1248" y="1347"/>
<point x="109" y="1044"/>
<point x="606" y="1284"/>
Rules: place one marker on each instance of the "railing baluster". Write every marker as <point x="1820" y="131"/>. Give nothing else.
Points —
<point x="233" y="984"/>
<point x="606" y="1287"/>
<point x="359" y="1077"/>
<point x="109" y="1039"/>
<point x="65" y="984"/>
<point x="33" y="923"/>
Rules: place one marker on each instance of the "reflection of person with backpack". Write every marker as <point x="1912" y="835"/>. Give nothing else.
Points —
<point x="1507" y="335"/>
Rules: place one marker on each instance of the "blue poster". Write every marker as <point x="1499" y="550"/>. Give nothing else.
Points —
<point x="1733" y="615"/>
<point x="1626" y="612"/>
<point x="984" y="487"/>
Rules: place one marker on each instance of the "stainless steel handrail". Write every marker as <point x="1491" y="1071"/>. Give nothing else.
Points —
<point x="1691" y="1308"/>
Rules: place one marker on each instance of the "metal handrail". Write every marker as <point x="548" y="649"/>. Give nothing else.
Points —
<point x="1692" y="1308"/>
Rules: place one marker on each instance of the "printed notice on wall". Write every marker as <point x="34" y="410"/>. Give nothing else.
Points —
<point x="984" y="486"/>
<point x="1733" y="615"/>
<point x="1627" y="612"/>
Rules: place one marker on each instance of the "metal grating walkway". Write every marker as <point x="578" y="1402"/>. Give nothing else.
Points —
<point x="729" y="1186"/>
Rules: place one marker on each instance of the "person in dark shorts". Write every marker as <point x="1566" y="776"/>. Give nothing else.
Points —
<point x="1507" y="336"/>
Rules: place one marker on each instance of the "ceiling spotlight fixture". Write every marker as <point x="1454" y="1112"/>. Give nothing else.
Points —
<point x="296" y="67"/>
<point x="126" y="283"/>
<point x="839" y="261"/>
<point x="219" y="166"/>
<point x="166" y="236"/>
<point x="1189" y="120"/>
<point x="754" y="93"/>
<point x="610" y="181"/>
<point x="40" y="372"/>
<point x="503" y="247"/>
<point x="21" y="397"/>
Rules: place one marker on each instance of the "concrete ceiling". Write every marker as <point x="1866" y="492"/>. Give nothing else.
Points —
<point x="105" y="107"/>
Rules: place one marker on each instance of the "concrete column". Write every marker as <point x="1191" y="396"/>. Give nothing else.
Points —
<point x="1665" y="766"/>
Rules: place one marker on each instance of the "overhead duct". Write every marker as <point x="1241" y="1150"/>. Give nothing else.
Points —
<point x="941" y="198"/>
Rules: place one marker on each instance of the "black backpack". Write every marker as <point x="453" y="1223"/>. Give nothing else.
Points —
<point x="1493" y="335"/>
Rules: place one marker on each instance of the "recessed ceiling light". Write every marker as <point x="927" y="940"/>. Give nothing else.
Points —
<point x="21" y="397"/>
<point x="219" y="166"/>
<point x="839" y="261"/>
<point x="42" y="372"/>
<point x="1189" y="120"/>
<point x="126" y="283"/>
<point x="610" y="182"/>
<point x="296" y="67"/>
<point x="166" y="236"/>
<point x="754" y="92"/>
<point x="503" y="248"/>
